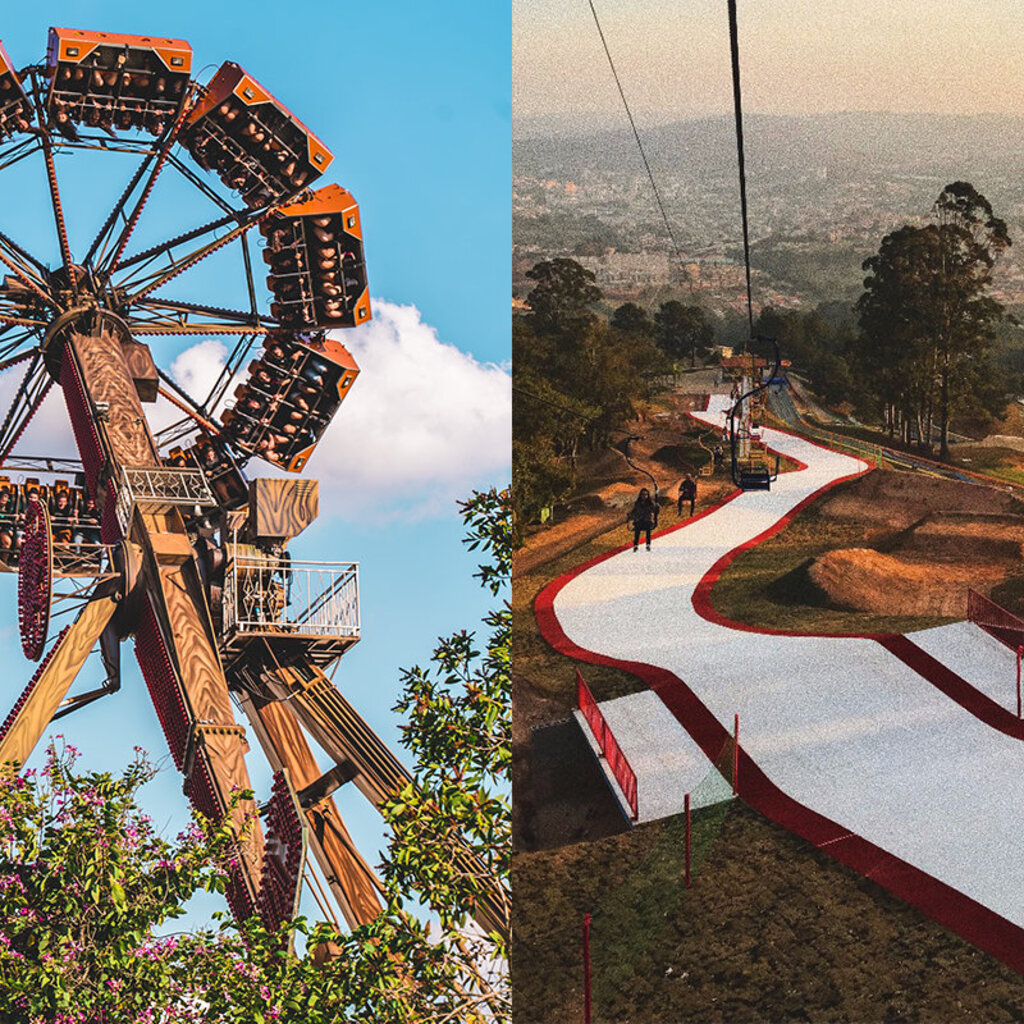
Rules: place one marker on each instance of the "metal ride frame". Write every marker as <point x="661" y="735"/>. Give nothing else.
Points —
<point x="193" y="568"/>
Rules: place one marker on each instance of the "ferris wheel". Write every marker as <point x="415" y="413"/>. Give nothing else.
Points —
<point x="157" y="535"/>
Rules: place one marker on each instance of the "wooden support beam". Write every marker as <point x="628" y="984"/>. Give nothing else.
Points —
<point x="352" y="882"/>
<point x="345" y="736"/>
<point x="186" y="678"/>
<point x="43" y="696"/>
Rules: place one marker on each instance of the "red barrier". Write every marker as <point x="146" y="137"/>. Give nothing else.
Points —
<point x="686" y="811"/>
<point x="736" y="756"/>
<point x="586" y="969"/>
<point x="1020" y="657"/>
<point x="608" y="745"/>
<point x="995" y="620"/>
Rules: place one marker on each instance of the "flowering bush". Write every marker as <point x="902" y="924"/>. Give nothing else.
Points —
<point x="85" y="879"/>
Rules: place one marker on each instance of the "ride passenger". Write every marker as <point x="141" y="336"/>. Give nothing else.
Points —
<point x="8" y="519"/>
<point x="88" y="529"/>
<point x="644" y="517"/>
<point x="62" y="517"/>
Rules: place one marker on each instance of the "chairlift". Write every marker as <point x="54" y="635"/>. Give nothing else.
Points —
<point x="751" y="469"/>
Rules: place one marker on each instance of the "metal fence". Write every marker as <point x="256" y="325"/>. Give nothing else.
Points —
<point x="159" y="490"/>
<point x="263" y="594"/>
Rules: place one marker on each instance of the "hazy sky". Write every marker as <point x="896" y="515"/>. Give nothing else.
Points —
<point x="797" y="57"/>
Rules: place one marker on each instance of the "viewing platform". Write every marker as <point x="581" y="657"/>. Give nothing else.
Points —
<point x="289" y="608"/>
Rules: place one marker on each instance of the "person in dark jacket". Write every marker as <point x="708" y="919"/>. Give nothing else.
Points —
<point x="644" y="517"/>
<point x="687" y="493"/>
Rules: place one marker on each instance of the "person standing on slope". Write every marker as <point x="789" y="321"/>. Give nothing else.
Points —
<point x="644" y="517"/>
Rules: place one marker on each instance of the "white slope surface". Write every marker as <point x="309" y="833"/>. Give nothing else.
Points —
<point x="840" y="725"/>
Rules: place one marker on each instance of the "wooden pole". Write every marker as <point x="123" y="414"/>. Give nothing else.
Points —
<point x="586" y="969"/>
<point x="686" y="809"/>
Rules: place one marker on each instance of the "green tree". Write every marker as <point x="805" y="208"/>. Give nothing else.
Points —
<point x="683" y="331"/>
<point x="564" y="295"/>
<point x="86" y="880"/>
<point x="632" y="319"/>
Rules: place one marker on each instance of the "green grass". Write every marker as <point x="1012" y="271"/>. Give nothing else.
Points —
<point x="653" y="890"/>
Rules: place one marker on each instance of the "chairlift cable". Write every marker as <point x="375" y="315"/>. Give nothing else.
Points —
<point x="636" y="135"/>
<point x="734" y="47"/>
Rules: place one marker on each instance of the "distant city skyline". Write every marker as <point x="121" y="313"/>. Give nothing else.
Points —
<point x="797" y="57"/>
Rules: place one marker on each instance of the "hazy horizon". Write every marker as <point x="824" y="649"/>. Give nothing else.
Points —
<point x="798" y="59"/>
<point x="574" y="124"/>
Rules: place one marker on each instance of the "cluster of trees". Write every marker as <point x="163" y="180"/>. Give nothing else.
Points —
<point x="87" y="881"/>
<point x="927" y="319"/>
<point x="579" y="375"/>
<point x="917" y="348"/>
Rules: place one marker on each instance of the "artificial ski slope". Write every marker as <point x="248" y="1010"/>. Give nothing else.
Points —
<point x="899" y="757"/>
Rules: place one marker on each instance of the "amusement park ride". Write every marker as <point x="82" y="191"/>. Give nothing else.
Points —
<point x="158" y="535"/>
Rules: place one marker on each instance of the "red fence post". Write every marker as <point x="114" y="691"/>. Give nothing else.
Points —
<point x="1020" y="655"/>
<point x="686" y="809"/>
<point x="736" y="755"/>
<point x="586" y="969"/>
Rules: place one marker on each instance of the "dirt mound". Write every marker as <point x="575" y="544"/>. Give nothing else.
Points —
<point x="899" y="500"/>
<point x="678" y="457"/>
<point x="1003" y="441"/>
<point x="859" y="579"/>
<point x="964" y="538"/>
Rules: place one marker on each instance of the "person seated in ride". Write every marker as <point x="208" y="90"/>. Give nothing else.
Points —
<point x="314" y="371"/>
<point x="687" y="493"/>
<point x="62" y="517"/>
<point x="210" y="459"/>
<point x="275" y="355"/>
<point x="644" y="517"/>
<point x="8" y="519"/>
<point x="266" y="379"/>
<point x="253" y="406"/>
<point x="88" y="529"/>
<point x="268" y="445"/>
<point x="280" y="239"/>
<point x="306" y="392"/>
<point x="31" y="495"/>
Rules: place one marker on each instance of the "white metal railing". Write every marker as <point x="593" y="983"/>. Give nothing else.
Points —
<point x="263" y="594"/>
<point x="158" y="489"/>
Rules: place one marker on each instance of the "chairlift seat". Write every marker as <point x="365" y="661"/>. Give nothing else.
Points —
<point x="755" y="480"/>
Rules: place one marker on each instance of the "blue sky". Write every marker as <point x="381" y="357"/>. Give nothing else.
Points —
<point x="415" y="103"/>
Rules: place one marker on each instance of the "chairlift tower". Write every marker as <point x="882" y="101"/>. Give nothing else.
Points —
<point x="159" y="537"/>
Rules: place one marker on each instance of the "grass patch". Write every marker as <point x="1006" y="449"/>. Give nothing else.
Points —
<point x="767" y="586"/>
<point x="630" y="916"/>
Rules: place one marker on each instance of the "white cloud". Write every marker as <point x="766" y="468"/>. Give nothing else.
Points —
<point x="424" y="423"/>
<point x="49" y="431"/>
<point x="197" y="368"/>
